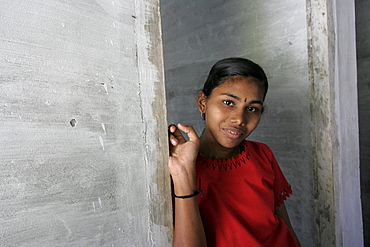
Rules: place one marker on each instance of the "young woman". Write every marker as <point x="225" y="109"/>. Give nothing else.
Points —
<point x="228" y="191"/>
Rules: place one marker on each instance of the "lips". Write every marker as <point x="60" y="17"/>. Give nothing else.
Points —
<point x="233" y="133"/>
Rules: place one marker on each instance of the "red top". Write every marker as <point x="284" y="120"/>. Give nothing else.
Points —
<point x="239" y="197"/>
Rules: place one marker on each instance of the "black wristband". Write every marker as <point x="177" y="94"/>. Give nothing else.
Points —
<point x="196" y="192"/>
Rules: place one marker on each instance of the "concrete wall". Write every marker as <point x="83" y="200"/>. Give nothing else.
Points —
<point x="271" y="33"/>
<point x="83" y="128"/>
<point x="363" y="65"/>
<point x="335" y="137"/>
<point x="304" y="46"/>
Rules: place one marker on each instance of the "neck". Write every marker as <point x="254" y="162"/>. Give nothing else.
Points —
<point x="215" y="151"/>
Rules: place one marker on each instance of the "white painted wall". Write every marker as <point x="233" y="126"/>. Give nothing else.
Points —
<point x="349" y="230"/>
<point x="101" y="181"/>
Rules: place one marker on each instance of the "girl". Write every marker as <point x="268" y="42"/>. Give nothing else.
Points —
<point x="228" y="191"/>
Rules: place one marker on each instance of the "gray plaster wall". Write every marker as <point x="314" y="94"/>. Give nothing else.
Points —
<point x="271" y="33"/>
<point x="363" y="65"/>
<point x="82" y="124"/>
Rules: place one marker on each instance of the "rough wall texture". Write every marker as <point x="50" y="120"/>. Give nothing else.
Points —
<point x="321" y="64"/>
<point x="273" y="34"/>
<point x="363" y="65"/>
<point x="332" y="67"/>
<point x="82" y="124"/>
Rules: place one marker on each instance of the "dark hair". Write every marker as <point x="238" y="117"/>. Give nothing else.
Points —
<point x="234" y="66"/>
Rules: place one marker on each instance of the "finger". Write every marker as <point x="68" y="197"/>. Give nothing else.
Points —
<point x="173" y="140"/>
<point x="172" y="128"/>
<point x="189" y="130"/>
<point x="176" y="133"/>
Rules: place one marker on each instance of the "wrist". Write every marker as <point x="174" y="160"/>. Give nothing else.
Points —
<point x="183" y="185"/>
<point x="195" y="193"/>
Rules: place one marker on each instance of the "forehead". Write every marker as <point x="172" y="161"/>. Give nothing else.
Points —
<point x="241" y="85"/>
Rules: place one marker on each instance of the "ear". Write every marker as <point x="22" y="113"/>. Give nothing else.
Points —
<point x="201" y="102"/>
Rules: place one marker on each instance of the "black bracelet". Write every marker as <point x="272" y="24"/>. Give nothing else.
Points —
<point x="196" y="192"/>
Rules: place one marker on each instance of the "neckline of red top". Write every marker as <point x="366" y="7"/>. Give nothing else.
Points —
<point x="226" y="164"/>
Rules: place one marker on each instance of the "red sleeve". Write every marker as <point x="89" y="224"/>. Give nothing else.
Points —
<point x="282" y="188"/>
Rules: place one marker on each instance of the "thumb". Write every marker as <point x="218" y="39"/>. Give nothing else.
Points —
<point x="189" y="130"/>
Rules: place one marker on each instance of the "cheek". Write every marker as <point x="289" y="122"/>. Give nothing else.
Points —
<point x="253" y="119"/>
<point x="216" y="115"/>
<point x="215" y="112"/>
<point x="256" y="120"/>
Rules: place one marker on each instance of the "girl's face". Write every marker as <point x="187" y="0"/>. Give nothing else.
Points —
<point x="232" y="111"/>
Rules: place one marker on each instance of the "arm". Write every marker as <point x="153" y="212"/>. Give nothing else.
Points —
<point x="283" y="214"/>
<point x="188" y="228"/>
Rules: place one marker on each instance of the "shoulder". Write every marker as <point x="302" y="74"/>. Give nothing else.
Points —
<point x="259" y="148"/>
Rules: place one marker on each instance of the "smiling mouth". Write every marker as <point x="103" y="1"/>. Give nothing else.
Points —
<point x="233" y="133"/>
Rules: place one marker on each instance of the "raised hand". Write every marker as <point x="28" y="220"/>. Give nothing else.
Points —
<point x="183" y="153"/>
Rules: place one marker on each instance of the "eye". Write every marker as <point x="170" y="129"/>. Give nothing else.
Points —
<point x="253" y="109"/>
<point x="228" y="102"/>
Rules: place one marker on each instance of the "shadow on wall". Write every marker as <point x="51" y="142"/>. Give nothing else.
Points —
<point x="363" y="65"/>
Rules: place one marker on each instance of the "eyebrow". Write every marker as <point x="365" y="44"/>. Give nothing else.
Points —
<point x="231" y="95"/>
<point x="256" y="102"/>
<point x="239" y="99"/>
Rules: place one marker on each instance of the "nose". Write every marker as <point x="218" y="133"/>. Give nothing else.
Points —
<point x="238" y="118"/>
